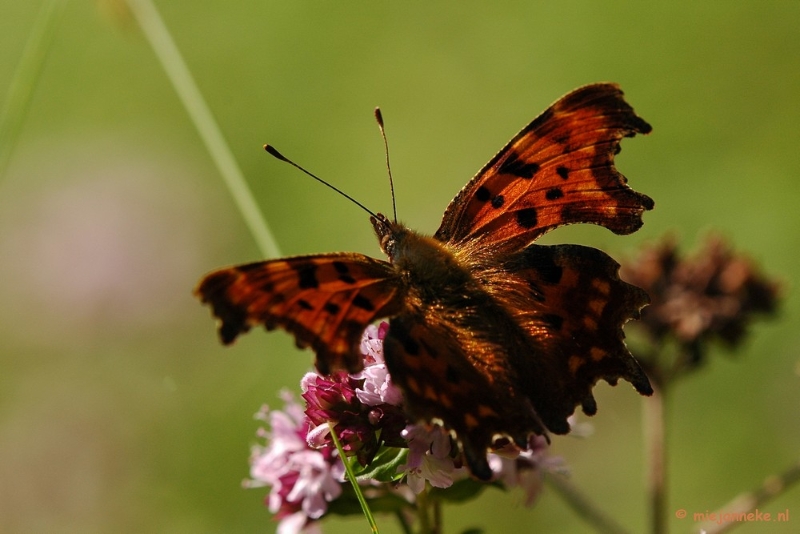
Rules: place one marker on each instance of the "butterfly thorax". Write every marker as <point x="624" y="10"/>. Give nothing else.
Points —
<point x="425" y="262"/>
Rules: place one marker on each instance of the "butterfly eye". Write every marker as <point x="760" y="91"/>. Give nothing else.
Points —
<point x="386" y="232"/>
<point x="388" y="245"/>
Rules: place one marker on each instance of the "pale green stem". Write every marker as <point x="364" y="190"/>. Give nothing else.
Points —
<point x="423" y="510"/>
<point x="178" y="73"/>
<point x="437" y="516"/>
<point x="352" y="476"/>
<point x="654" y="426"/>
<point x="26" y="78"/>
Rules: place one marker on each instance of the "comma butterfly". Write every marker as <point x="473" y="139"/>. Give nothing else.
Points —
<point x="489" y="333"/>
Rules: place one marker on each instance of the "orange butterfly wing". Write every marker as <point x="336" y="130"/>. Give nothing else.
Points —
<point x="467" y="383"/>
<point x="526" y="357"/>
<point x="517" y="356"/>
<point x="577" y="306"/>
<point x="326" y="301"/>
<point x="558" y="170"/>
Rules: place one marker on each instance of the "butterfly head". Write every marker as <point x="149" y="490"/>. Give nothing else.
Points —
<point x="388" y="233"/>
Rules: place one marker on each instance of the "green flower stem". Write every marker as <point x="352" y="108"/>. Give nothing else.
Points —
<point x="423" y="512"/>
<point x="437" y="516"/>
<point x="581" y="504"/>
<point x="351" y="475"/>
<point x="429" y="512"/>
<point x="654" y="427"/>
<point x="26" y="78"/>
<point x="178" y="73"/>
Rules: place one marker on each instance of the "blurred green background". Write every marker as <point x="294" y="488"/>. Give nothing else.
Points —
<point x="120" y="412"/>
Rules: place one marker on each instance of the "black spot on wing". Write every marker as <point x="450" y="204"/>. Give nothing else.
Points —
<point x="554" y="194"/>
<point x="360" y="301"/>
<point x="498" y="201"/>
<point x="307" y="274"/>
<point x="527" y="217"/>
<point x="542" y="259"/>
<point x="483" y="194"/>
<point x="563" y="172"/>
<point x="344" y="272"/>
<point x="513" y="165"/>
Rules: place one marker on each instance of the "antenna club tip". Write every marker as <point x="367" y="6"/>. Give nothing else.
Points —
<point x="379" y="116"/>
<point x="274" y="152"/>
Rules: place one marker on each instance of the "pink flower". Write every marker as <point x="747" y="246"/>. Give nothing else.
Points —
<point x="523" y="468"/>
<point x="377" y="388"/>
<point x="300" y="463"/>
<point x="429" y="457"/>
<point x="364" y="408"/>
<point x="302" y="480"/>
<point x="332" y="400"/>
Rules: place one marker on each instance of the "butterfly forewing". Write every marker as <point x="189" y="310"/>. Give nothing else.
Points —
<point x="557" y="170"/>
<point x="326" y="301"/>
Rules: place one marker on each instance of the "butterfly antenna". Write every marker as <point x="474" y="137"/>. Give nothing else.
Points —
<point x="379" y="118"/>
<point x="273" y="152"/>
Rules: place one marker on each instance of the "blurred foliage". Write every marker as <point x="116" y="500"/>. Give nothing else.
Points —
<point x="118" y="409"/>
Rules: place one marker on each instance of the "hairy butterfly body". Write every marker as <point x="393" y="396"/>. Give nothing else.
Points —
<point x="489" y="333"/>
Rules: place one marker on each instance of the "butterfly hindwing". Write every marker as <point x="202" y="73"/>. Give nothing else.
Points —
<point x="326" y="301"/>
<point x="558" y="170"/>
<point x="446" y="374"/>
<point x="576" y="308"/>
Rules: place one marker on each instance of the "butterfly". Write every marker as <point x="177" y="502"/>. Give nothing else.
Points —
<point x="489" y="333"/>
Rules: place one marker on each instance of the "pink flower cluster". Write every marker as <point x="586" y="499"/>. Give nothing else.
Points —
<point x="304" y="472"/>
<point x="302" y="479"/>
